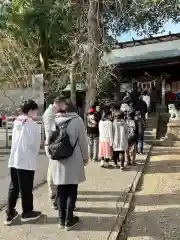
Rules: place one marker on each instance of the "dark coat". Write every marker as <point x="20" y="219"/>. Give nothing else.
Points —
<point x="134" y="96"/>
<point x="140" y="127"/>
<point x="93" y="131"/>
<point x="141" y="106"/>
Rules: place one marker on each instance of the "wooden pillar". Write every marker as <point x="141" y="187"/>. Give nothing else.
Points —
<point x="163" y="102"/>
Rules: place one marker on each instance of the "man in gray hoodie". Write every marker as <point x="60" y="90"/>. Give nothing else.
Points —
<point x="68" y="173"/>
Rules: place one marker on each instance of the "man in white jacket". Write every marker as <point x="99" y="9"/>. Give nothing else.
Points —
<point x="49" y="126"/>
<point x="22" y="163"/>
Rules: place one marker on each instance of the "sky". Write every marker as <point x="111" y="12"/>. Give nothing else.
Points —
<point x="169" y="26"/>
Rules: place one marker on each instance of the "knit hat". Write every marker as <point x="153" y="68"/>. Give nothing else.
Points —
<point x="91" y="110"/>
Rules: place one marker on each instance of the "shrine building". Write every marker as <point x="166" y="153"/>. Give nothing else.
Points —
<point x="147" y="63"/>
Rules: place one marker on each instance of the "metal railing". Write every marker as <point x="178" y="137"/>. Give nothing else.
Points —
<point x="8" y="125"/>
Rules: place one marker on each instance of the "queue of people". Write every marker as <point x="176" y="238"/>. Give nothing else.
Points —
<point x="116" y="135"/>
<point x="67" y="150"/>
<point x="110" y="134"/>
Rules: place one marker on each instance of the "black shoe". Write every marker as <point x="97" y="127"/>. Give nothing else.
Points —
<point x="10" y="218"/>
<point x="54" y="206"/>
<point x="70" y="224"/>
<point x="117" y="166"/>
<point x="30" y="216"/>
<point x="61" y="224"/>
<point x="53" y="198"/>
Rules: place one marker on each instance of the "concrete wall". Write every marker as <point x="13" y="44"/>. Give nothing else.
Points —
<point x="17" y="95"/>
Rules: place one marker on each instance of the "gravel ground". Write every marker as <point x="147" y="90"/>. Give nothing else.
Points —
<point x="155" y="213"/>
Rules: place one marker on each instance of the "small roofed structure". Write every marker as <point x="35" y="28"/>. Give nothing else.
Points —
<point x="81" y="89"/>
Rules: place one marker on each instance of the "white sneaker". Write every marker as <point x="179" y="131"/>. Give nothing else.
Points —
<point x="106" y="165"/>
<point x="102" y="163"/>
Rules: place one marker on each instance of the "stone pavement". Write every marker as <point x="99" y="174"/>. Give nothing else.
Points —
<point x="99" y="201"/>
<point x="42" y="163"/>
<point x="156" y="214"/>
<point x="40" y="176"/>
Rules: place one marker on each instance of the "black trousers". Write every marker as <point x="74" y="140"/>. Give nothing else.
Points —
<point x="66" y="200"/>
<point x="153" y="107"/>
<point x="119" y="156"/>
<point x="21" y="182"/>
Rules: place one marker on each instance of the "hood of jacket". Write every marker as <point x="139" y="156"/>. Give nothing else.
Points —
<point x="119" y="122"/>
<point x="61" y="119"/>
<point x="106" y="122"/>
<point x="20" y="121"/>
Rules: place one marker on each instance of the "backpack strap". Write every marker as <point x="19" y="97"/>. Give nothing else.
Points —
<point x="76" y="142"/>
<point x="65" y="124"/>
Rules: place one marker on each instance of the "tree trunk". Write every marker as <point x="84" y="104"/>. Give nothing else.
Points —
<point x="73" y="66"/>
<point x="44" y="49"/>
<point x="94" y="47"/>
<point x="73" y="87"/>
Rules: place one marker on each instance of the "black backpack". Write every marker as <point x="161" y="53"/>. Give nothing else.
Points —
<point x="60" y="147"/>
<point x="92" y="121"/>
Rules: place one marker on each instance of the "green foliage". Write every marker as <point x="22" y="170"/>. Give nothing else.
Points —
<point x="16" y="62"/>
<point x="4" y="9"/>
<point x="55" y="29"/>
<point x="103" y="82"/>
<point x="51" y="25"/>
<point x="143" y="16"/>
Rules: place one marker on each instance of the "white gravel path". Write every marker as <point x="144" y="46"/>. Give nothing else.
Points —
<point x="156" y="213"/>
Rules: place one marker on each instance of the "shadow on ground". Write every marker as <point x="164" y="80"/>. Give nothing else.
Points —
<point x="88" y="223"/>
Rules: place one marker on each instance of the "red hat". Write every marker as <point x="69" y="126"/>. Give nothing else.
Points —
<point x="91" y="110"/>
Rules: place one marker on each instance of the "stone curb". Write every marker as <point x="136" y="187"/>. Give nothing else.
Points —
<point x="124" y="210"/>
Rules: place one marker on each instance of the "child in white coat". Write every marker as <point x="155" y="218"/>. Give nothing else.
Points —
<point x="120" y="142"/>
<point x="105" y="138"/>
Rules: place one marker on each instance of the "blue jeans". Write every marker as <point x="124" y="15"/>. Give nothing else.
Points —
<point x="93" y="146"/>
<point x="140" y="144"/>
